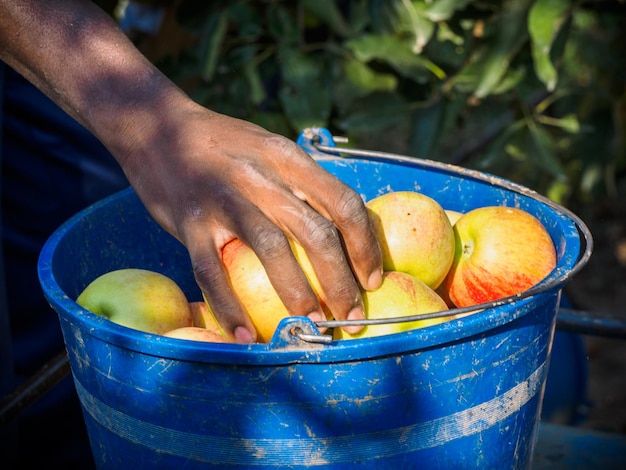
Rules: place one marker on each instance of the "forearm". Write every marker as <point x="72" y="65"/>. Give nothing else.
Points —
<point x="206" y="178"/>
<point x="77" y="55"/>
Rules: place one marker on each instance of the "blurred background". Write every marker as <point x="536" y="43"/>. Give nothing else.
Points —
<point x="533" y="91"/>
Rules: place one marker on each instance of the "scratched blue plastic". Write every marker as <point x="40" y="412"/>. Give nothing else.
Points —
<point x="462" y="394"/>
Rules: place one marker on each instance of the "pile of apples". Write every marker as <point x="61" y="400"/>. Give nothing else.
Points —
<point x="433" y="259"/>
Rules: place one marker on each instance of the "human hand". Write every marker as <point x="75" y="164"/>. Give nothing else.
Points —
<point x="208" y="178"/>
<point x="204" y="177"/>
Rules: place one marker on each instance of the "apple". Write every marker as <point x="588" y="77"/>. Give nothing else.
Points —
<point x="443" y="293"/>
<point x="307" y="268"/>
<point x="453" y="216"/>
<point x="137" y="298"/>
<point x="414" y="233"/>
<point x="251" y="285"/>
<point x="500" y="252"/>
<point x="400" y="295"/>
<point x="196" y="333"/>
<point x="203" y="317"/>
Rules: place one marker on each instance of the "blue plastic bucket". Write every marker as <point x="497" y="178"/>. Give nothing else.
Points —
<point x="462" y="394"/>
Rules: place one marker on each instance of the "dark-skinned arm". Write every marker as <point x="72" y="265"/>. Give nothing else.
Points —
<point x="205" y="177"/>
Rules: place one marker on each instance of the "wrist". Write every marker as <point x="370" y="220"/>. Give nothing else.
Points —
<point x="132" y="114"/>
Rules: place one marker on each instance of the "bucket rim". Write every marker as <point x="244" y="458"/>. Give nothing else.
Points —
<point x="493" y="314"/>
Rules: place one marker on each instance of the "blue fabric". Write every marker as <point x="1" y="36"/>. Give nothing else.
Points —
<point x="52" y="167"/>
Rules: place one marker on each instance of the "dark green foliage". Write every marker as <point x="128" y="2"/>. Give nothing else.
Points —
<point x="533" y="90"/>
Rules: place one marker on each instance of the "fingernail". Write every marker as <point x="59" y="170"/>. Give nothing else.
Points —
<point x="375" y="280"/>
<point x="356" y="314"/>
<point x="315" y="317"/>
<point x="243" y="335"/>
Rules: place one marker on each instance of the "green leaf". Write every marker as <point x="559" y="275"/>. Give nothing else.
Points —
<point x="426" y="127"/>
<point x="591" y="176"/>
<point x="366" y="79"/>
<point x="568" y="123"/>
<point x="445" y="33"/>
<point x="297" y="68"/>
<point x="215" y="30"/>
<point x="238" y="57"/>
<point x="490" y="63"/>
<point x="306" y="107"/>
<point x="559" y="191"/>
<point x="395" y="52"/>
<point x="495" y="151"/>
<point x="545" y="19"/>
<point x="328" y="12"/>
<point x="377" y="112"/>
<point x="244" y="59"/>
<point x="541" y="151"/>
<point x="415" y="21"/>
<point x="442" y="10"/>
<point x="257" y="90"/>
<point x="282" y="25"/>
<point x="512" y="78"/>
<point x="247" y="21"/>
<point x="305" y="94"/>
<point x="383" y="15"/>
<point x="359" y="15"/>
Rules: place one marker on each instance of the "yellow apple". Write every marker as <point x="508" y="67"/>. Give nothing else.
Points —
<point x="400" y="295"/>
<point x="500" y="252"/>
<point x="203" y="316"/>
<point x="453" y="216"/>
<point x="138" y="298"/>
<point x="307" y="268"/>
<point x="196" y="333"/>
<point x="251" y="285"/>
<point x="414" y="233"/>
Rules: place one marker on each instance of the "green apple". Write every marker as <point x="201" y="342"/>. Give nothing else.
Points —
<point x="500" y="252"/>
<point x="414" y="233"/>
<point x="138" y="298"/>
<point x="400" y="295"/>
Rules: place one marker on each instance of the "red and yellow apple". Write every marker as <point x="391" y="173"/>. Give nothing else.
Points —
<point x="400" y="295"/>
<point x="138" y="298"/>
<point x="414" y="233"/>
<point x="252" y="286"/>
<point x="500" y="252"/>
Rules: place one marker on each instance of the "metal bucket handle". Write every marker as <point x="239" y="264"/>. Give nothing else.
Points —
<point x="320" y="144"/>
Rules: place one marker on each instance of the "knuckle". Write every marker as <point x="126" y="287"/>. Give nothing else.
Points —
<point x="269" y="242"/>
<point x="349" y="208"/>
<point x="192" y="210"/>
<point x="346" y="290"/>
<point x="208" y="271"/>
<point x="282" y="144"/>
<point x="321" y="233"/>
